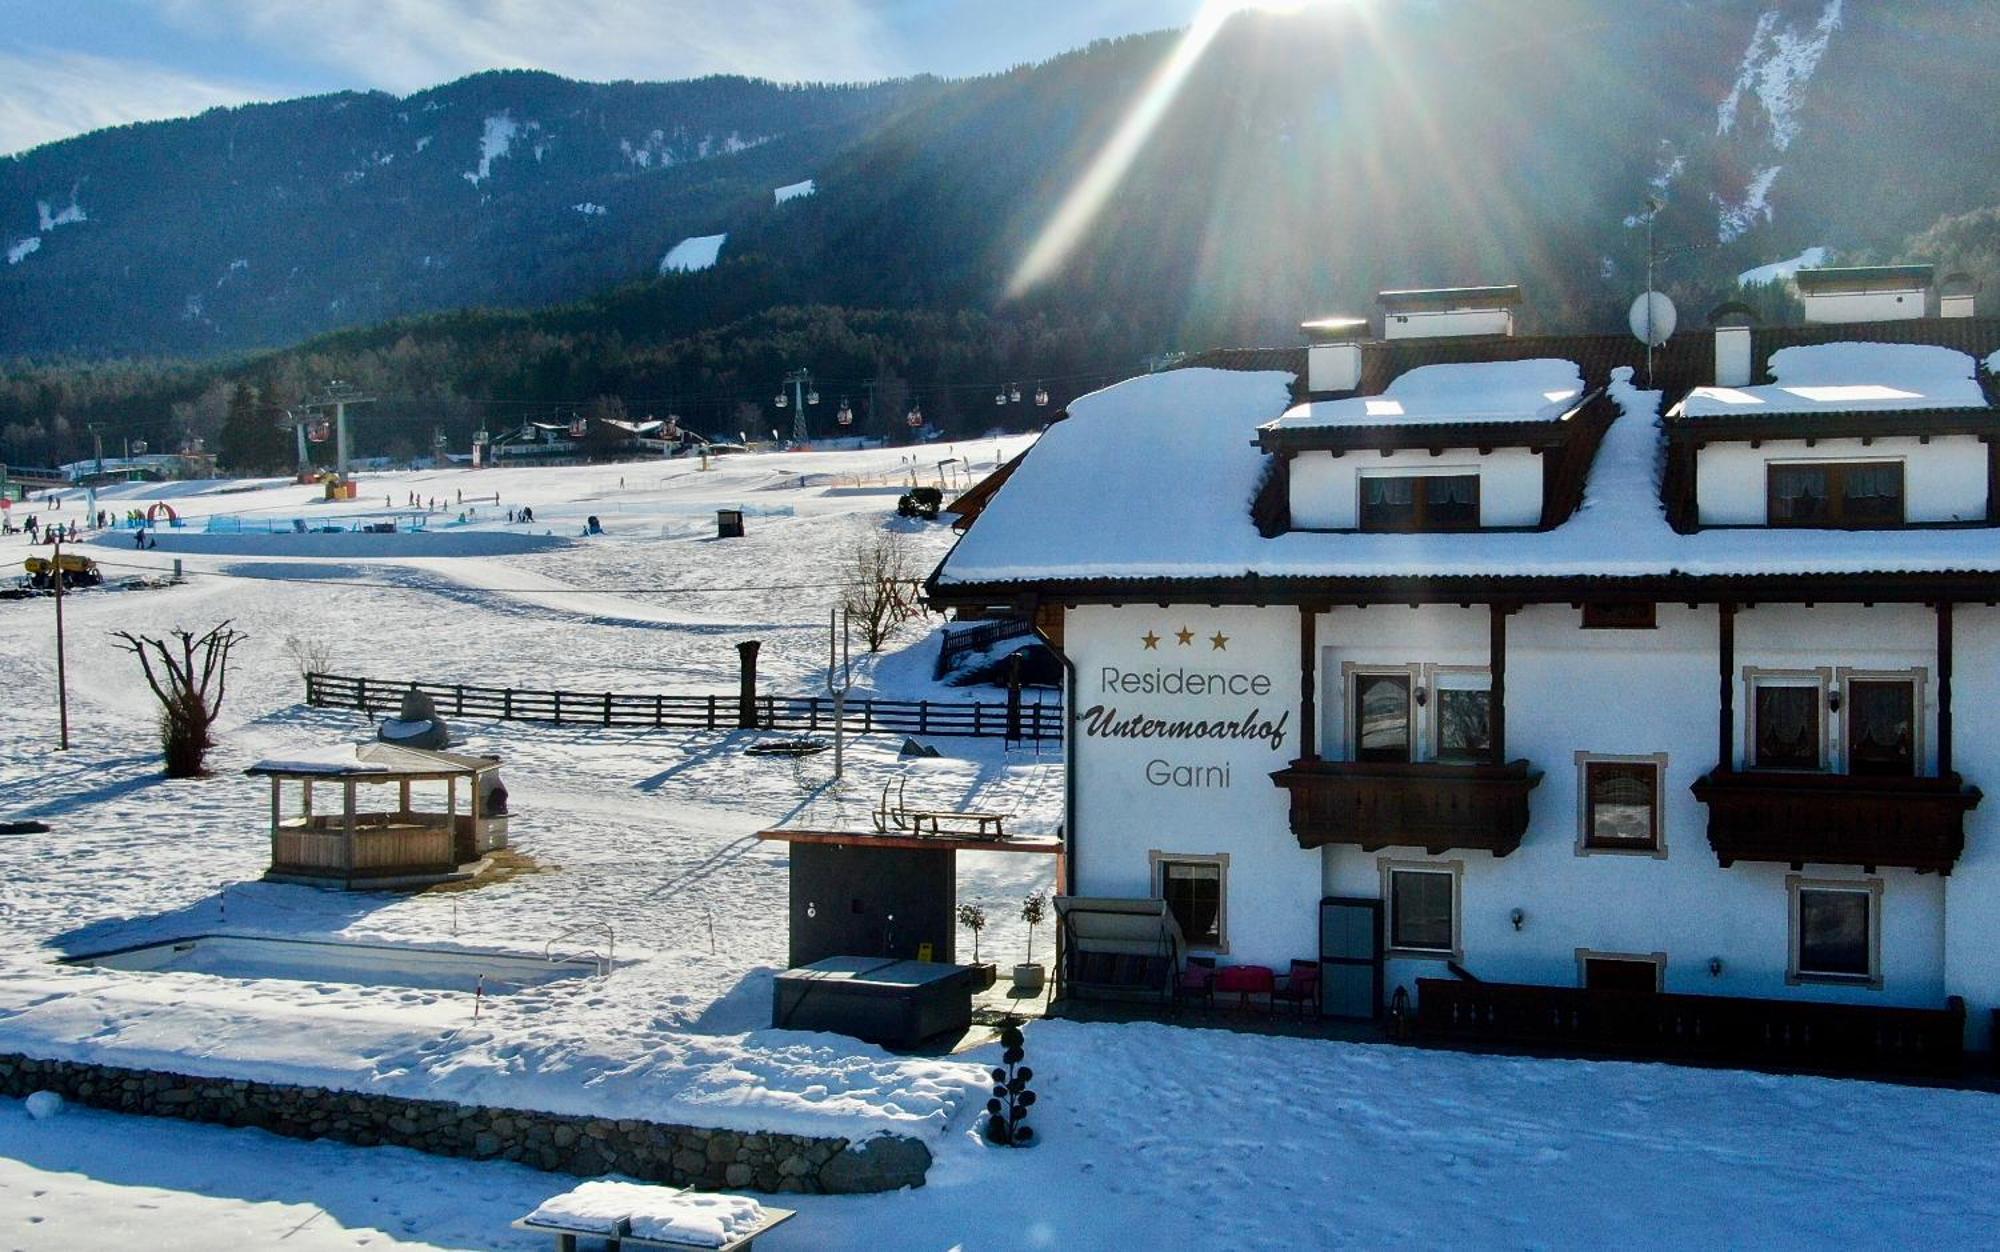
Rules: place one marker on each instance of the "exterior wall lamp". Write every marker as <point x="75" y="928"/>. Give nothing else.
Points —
<point x="1423" y="697"/>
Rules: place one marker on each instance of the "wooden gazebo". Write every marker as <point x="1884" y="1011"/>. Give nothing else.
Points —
<point x="380" y="846"/>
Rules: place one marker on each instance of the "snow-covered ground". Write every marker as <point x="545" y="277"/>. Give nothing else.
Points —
<point x="1153" y="1136"/>
<point x="652" y="832"/>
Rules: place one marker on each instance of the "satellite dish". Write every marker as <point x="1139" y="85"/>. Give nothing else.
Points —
<point x="1653" y="319"/>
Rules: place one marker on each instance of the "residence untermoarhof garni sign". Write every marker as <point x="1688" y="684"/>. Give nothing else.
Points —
<point x="1181" y="691"/>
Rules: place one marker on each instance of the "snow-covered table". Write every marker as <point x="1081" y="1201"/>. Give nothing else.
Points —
<point x="652" y="1217"/>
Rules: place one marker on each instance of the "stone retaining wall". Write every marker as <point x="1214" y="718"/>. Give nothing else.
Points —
<point x="688" y="1156"/>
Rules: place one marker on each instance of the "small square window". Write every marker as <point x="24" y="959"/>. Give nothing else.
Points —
<point x="1464" y="724"/>
<point x="1381" y="717"/>
<point x="1621" y="615"/>
<point x="1193" y="890"/>
<point x="1622" y="805"/>
<point x="1787" y="726"/>
<point x="1881" y="727"/>
<point x="1423" y="909"/>
<point x="1834" y="931"/>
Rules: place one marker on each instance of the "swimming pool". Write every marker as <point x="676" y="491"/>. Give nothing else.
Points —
<point x="325" y="960"/>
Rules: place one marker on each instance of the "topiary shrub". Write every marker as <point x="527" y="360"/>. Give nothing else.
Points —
<point x="1007" y="1110"/>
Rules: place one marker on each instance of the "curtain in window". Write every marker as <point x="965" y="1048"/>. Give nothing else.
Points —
<point x="1456" y="490"/>
<point x="1793" y="484"/>
<point x="1881" y="734"/>
<point x="1193" y="891"/>
<point x="1874" y="482"/>
<point x="1788" y="727"/>
<point x="1392" y="492"/>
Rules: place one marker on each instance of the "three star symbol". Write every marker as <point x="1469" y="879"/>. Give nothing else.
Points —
<point x="1185" y="637"/>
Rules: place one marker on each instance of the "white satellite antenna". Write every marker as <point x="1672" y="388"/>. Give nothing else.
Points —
<point x="1653" y="318"/>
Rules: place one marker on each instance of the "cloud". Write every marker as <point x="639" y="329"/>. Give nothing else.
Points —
<point x="407" y="45"/>
<point x="47" y="95"/>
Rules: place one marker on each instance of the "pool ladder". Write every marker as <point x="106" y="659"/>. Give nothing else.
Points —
<point x="603" y="960"/>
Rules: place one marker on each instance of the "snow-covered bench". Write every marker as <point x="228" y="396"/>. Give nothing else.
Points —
<point x="652" y="1217"/>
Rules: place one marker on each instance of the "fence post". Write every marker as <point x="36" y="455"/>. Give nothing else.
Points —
<point x="868" y="717"/>
<point x="461" y="700"/>
<point x="711" y="712"/>
<point x="978" y="707"/>
<point x="558" y="699"/>
<point x="607" y="708"/>
<point x="312" y="690"/>
<point x="923" y="717"/>
<point x="361" y="694"/>
<point x="659" y="708"/>
<point x="507" y="705"/>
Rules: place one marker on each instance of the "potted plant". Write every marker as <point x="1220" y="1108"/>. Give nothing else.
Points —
<point x="1028" y="975"/>
<point x="973" y="918"/>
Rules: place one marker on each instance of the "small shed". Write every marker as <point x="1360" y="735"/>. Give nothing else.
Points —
<point x="355" y="841"/>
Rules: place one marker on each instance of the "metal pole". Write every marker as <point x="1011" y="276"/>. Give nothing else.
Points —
<point x="62" y="673"/>
<point x="1651" y="213"/>
<point x="340" y="435"/>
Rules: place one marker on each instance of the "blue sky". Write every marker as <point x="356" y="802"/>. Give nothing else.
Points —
<point x="68" y="66"/>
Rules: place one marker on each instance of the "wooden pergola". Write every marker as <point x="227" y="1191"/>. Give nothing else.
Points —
<point x="352" y="846"/>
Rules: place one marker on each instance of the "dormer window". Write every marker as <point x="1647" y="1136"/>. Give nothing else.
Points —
<point x="1835" y="493"/>
<point x="1411" y="503"/>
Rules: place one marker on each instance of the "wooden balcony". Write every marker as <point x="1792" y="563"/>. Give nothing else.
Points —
<point x="1727" y="1030"/>
<point x="1836" y="819"/>
<point x="1435" y="806"/>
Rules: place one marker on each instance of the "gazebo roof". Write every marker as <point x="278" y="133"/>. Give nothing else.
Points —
<point x="374" y="762"/>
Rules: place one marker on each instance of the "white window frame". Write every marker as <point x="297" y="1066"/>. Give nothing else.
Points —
<point x="1455" y="870"/>
<point x="1754" y="677"/>
<point x="1919" y="679"/>
<point x="1353" y="671"/>
<point x="1871" y="888"/>
<point x="1584" y="847"/>
<point x="1658" y="960"/>
<point x="1158" y="860"/>
<point x="1438" y="679"/>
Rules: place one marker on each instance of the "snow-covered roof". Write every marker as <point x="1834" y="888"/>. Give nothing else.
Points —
<point x="1847" y="378"/>
<point x="371" y="758"/>
<point x="1487" y="391"/>
<point x="1154" y="479"/>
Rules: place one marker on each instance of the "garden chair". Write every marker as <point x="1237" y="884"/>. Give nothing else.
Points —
<point x="1301" y="987"/>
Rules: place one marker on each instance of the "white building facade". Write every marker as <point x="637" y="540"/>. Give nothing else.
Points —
<point x="1610" y="688"/>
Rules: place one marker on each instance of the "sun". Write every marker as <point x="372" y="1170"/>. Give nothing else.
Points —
<point x="1088" y="198"/>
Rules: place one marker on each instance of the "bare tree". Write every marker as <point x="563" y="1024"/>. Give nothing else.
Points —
<point x="188" y="676"/>
<point x="311" y="653"/>
<point x="881" y="586"/>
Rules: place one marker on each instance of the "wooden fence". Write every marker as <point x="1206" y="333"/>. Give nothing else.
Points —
<point x="1732" y="1030"/>
<point x="1032" y="721"/>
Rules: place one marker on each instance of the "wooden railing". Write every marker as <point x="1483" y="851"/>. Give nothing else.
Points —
<point x="1433" y="805"/>
<point x="1033" y="721"/>
<point x="957" y="643"/>
<point x="1836" y="819"/>
<point x="1791" y="1034"/>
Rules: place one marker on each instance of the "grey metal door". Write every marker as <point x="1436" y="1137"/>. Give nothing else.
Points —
<point x="1350" y="957"/>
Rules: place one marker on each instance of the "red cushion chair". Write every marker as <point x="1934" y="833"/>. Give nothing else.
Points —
<point x="1301" y="986"/>
<point x="1196" y="982"/>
